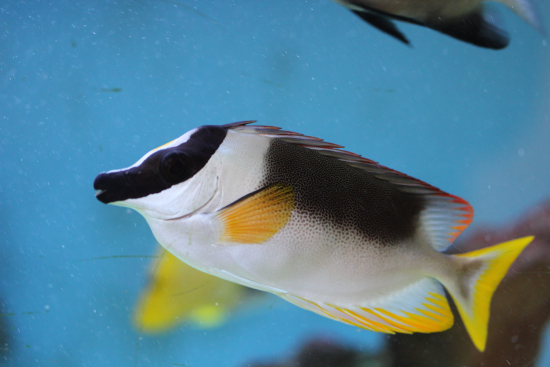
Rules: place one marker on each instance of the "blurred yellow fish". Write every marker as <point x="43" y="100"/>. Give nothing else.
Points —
<point x="178" y="293"/>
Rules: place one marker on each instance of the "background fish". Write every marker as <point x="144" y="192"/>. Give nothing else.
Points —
<point x="323" y="228"/>
<point x="177" y="292"/>
<point x="468" y="20"/>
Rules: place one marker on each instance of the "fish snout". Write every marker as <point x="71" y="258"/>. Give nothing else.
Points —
<point x="116" y="186"/>
<point x="103" y="184"/>
<point x="133" y="183"/>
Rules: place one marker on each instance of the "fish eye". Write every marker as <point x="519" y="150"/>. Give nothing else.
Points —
<point x="175" y="167"/>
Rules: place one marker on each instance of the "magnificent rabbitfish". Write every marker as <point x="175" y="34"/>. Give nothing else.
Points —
<point x="323" y="228"/>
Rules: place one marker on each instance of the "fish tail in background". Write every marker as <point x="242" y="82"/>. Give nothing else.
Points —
<point x="481" y="27"/>
<point x="525" y="9"/>
<point x="481" y="272"/>
<point x="209" y="316"/>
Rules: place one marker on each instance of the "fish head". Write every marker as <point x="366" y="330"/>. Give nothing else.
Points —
<point x="169" y="182"/>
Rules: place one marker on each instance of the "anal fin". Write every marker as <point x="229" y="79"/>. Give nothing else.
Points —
<point x="421" y="307"/>
<point x="256" y="217"/>
<point x="382" y="23"/>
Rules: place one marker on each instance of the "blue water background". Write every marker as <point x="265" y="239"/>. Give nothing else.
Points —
<point x="471" y="121"/>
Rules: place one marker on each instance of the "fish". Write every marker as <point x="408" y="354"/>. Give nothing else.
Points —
<point x="178" y="293"/>
<point x="467" y="20"/>
<point x="323" y="228"/>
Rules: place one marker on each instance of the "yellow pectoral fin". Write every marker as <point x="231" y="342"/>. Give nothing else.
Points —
<point x="256" y="217"/>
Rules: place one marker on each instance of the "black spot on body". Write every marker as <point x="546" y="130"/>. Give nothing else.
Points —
<point x="351" y="198"/>
<point x="154" y="176"/>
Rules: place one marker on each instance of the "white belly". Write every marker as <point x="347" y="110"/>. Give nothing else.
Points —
<point x="308" y="260"/>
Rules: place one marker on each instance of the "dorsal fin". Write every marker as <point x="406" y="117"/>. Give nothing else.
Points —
<point x="445" y="215"/>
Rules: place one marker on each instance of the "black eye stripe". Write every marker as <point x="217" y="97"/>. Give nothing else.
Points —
<point x="149" y="178"/>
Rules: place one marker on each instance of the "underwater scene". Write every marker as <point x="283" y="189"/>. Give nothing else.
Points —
<point x="407" y="187"/>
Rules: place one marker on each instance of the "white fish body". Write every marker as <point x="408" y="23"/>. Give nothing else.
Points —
<point x="325" y="229"/>
<point x="296" y="259"/>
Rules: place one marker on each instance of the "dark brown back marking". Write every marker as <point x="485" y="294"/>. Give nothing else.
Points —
<point x="331" y="190"/>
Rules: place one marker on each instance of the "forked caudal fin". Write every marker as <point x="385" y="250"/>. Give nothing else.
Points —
<point x="482" y="272"/>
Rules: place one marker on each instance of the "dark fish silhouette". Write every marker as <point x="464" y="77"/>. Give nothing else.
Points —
<point x="466" y="20"/>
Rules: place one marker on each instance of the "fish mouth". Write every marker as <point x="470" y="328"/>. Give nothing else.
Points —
<point x="101" y="184"/>
<point x="199" y="209"/>
<point x="110" y="187"/>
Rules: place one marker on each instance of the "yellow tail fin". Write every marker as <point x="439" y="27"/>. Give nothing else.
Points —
<point x="482" y="274"/>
